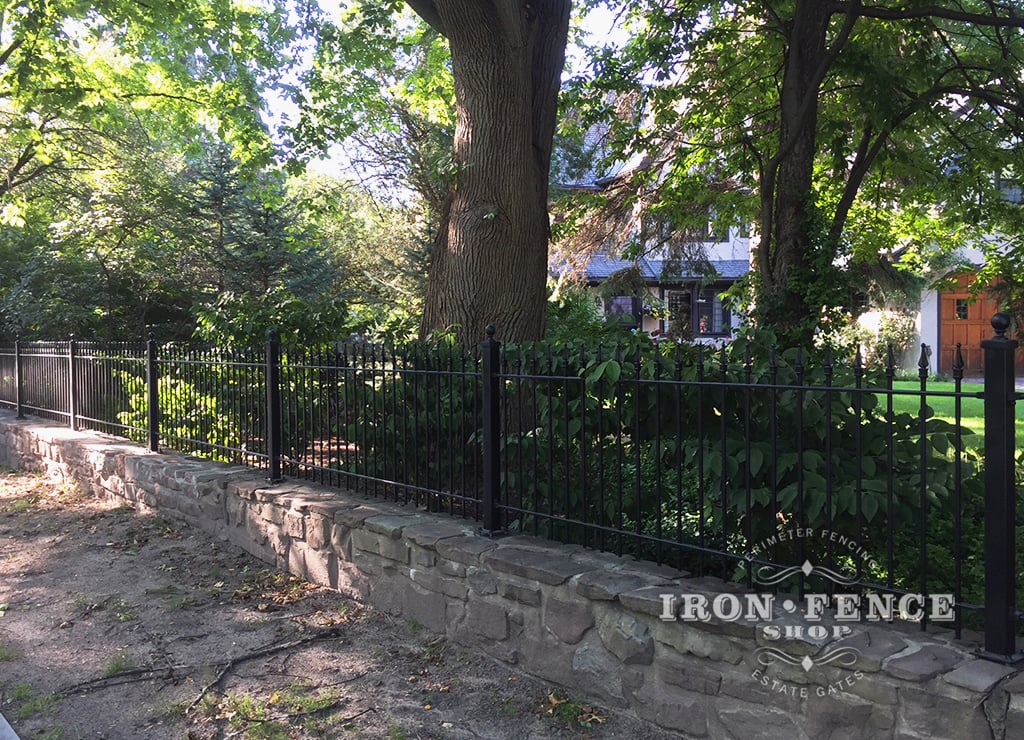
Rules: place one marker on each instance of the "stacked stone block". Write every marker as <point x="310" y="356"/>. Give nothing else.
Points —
<point x="588" y="621"/>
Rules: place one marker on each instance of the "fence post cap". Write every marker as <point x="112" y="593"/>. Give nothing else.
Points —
<point x="1001" y="322"/>
<point x="489" y="330"/>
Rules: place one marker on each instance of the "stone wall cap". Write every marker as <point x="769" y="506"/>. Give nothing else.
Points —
<point x="466" y="550"/>
<point x="330" y="507"/>
<point x="355" y="516"/>
<point x="246" y="487"/>
<point x="923" y="664"/>
<point x="978" y="675"/>
<point x="873" y="646"/>
<point x="391" y="525"/>
<point x="301" y="499"/>
<point x="663" y="573"/>
<point x="603" y="585"/>
<point x="646" y="600"/>
<point x="427" y="534"/>
<point x="545" y="567"/>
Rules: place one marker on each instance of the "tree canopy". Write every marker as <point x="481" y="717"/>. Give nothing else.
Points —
<point x="74" y="76"/>
<point x="841" y="129"/>
<point x="856" y="136"/>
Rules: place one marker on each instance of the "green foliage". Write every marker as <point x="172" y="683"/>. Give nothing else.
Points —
<point x="381" y="82"/>
<point x="724" y="464"/>
<point x="414" y="413"/>
<point x="380" y="251"/>
<point x="270" y="273"/>
<point x="199" y="413"/>
<point x="1002" y="276"/>
<point x="871" y="154"/>
<point x="894" y="330"/>
<point x="102" y="255"/>
<point x="181" y="246"/>
<point x="74" y="75"/>
<point x="573" y="315"/>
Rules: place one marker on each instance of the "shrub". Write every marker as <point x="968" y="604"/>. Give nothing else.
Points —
<point x="720" y="450"/>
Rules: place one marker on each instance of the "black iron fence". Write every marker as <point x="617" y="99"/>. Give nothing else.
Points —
<point x="741" y="462"/>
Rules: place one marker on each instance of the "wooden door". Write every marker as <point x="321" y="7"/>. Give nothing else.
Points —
<point x="966" y="322"/>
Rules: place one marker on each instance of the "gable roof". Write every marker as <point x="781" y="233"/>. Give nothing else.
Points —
<point x="602" y="266"/>
<point x="724" y="270"/>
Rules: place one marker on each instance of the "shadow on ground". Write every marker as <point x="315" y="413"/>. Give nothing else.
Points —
<point x="120" y="625"/>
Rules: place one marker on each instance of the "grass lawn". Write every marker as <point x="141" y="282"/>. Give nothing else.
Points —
<point x="972" y="409"/>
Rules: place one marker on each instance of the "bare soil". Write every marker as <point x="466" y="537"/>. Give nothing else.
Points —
<point x="115" y="624"/>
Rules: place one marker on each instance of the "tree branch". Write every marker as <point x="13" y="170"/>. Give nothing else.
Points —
<point x="260" y="652"/>
<point x="427" y="10"/>
<point x="930" y="11"/>
<point x="13" y="47"/>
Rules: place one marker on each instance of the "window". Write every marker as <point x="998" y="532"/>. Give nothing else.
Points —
<point x="680" y="311"/>
<point x="697" y="313"/>
<point x="711" y="318"/>
<point x="708" y="234"/>
<point x="961" y="309"/>
<point x="625" y="309"/>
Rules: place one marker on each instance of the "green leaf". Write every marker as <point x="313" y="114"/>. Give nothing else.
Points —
<point x="869" y="506"/>
<point x="815" y="502"/>
<point x="609" y="370"/>
<point x="756" y="460"/>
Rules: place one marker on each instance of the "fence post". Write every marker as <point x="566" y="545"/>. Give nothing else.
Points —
<point x="18" y="379"/>
<point x="153" y="394"/>
<point x="491" y="433"/>
<point x="273" y="372"/>
<point x="1000" y="504"/>
<point x="72" y="385"/>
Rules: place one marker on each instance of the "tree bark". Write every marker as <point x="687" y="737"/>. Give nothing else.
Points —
<point x="787" y="189"/>
<point x="489" y="263"/>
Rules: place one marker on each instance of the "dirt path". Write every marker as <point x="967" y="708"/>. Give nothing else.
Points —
<point x="116" y="625"/>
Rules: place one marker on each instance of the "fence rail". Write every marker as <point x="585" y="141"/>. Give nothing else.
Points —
<point x="792" y="470"/>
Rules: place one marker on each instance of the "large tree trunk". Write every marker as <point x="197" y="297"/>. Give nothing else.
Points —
<point x="787" y="196"/>
<point x="490" y="256"/>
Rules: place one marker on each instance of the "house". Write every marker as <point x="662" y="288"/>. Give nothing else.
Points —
<point x="654" y="293"/>
<point x="667" y="298"/>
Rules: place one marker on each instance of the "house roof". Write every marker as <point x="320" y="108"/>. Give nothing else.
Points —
<point x="724" y="270"/>
<point x="602" y="266"/>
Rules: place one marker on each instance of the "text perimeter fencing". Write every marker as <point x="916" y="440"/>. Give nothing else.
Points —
<point x="716" y="461"/>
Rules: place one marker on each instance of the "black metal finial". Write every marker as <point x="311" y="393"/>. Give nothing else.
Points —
<point x="1001" y="322"/>
<point x="923" y="364"/>
<point x="489" y="330"/>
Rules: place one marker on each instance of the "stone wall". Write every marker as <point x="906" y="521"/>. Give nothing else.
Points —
<point x="588" y="621"/>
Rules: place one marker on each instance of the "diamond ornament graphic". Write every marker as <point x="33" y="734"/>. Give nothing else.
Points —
<point x="807" y="663"/>
<point x="807" y="568"/>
